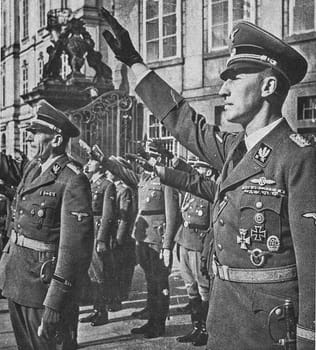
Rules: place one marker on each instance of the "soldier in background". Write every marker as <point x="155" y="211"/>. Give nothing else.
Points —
<point x="196" y="216"/>
<point x="125" y="255"/>
<point x="265" y="205"/>
<point x="155" y="227"/>
<point x="49" y="252"/>
<point x="101" y="271"/>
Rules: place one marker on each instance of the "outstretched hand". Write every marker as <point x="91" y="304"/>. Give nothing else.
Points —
<point x="121" y="43"/>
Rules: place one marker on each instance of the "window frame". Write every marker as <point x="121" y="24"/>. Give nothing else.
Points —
<point x="160" y="32"/>
<point x="311" y="99"/>
<point x="42" y="16"/>
<point x="289" y="5"/>
<point x="254" y="5"/>
<point x="25" y="16"/>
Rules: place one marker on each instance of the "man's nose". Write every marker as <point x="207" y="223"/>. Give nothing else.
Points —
<point x="224" y="90"/>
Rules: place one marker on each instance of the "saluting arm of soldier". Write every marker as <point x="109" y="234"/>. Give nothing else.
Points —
<point x="183" y="122"/>
<point x="193" y="183"/>
<point x="108" y="220"/>
<point x="126" y="175"/>
<point x="302" y="216"/>
<point x="75" y="244"/>
<point x="11" y="171"/>
<point x="125" y="215"/>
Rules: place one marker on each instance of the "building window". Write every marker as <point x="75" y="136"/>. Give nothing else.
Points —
<point x="3" y="143"/>
<point x="25" y="16"/>
<point x="223" y="14"/>
<point x="306" y="108"/>
<point x="25" y="78"/>
<point x="42" y="13"/>
<point x="299" y="16"/>
<point x="65" y="68"/>
<point x="40" y="65"/>
<point x="4" y="28"/>
<point x="161" y="28"/>
<point x="3" y="85"/>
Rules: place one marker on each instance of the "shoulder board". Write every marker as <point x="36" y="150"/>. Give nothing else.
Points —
<point x="300" y="140"/>
<point x="74" y="168"/>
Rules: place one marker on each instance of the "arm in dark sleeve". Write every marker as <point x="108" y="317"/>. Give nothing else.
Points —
<point x="182" y="121"/>
<point x="125" y="215"/>
<point x="172" y="216"/>
<point x="108" y="219"/>
<point x="11" y="171"/>
<point x="126" y="175"/>
<point x="180" y="164"/>
<point x="193" y="183"/>
<point x="76" y="241"/>
<point x="302" y="217"/>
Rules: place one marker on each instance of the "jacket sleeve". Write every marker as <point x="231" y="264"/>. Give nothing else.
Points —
<point x="182" y="121"/>
<point x="172" y="216"/>
<point x="126" y="175"/>
<point x="193" y="183"/>
<point x="125" y="215"/>
<point x="76" y="241"/>
<point x="109" y="215"/>
<point x="302" y="217"/>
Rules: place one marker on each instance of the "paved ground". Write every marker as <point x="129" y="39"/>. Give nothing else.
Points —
<point x="116" y="334"/>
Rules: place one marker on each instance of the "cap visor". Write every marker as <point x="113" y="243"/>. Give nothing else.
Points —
<point x="242" y="67"/>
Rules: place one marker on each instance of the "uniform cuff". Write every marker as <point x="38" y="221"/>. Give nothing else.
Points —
<point x="56" y="295"/>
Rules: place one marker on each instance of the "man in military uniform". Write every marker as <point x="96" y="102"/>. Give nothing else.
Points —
<point x="102" y="269"/>
<point x="195" y="227"/>
<point x="265" y="207"/>
<point x="51" y="240"/>
<point x="154" y="231"/>
<point x="126" y="207"/>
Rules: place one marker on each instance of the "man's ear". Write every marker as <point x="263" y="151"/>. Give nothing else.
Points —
<point x="57" y="140"/>
<point x="269" y="86"/>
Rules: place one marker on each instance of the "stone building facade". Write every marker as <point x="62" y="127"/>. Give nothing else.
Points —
<point x="185" y="41"/>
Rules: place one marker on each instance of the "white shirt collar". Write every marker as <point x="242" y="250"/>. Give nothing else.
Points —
<point x="259" y="134"/>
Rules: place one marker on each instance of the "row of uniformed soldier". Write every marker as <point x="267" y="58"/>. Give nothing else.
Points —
<point x="264" y="212"/>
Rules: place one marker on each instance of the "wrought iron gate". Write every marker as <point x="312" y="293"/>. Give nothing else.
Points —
<point x="114" y="121"/>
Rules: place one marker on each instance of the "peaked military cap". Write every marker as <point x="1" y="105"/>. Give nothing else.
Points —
<point x="123" y="162"/>
<point x="49" y="118"/>
<point x="201" y="164"/>
<point x="253" y="49"/>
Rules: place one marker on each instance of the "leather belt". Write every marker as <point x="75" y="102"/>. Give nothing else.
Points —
<point x="269" y="275"/>
<point x="151" y="212"/>
<point x="186" y="224"/>
<point x="305" y="333"/>
<point x="39" y="246"/>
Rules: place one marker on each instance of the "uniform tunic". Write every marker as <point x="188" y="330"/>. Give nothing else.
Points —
<point x="264" y="217"/>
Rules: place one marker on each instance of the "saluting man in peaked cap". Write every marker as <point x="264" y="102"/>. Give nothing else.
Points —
<point x="265" y="206"/>
<point x="51" y="239"/>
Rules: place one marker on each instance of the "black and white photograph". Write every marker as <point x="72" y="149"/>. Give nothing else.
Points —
<point x="157" y="174"/>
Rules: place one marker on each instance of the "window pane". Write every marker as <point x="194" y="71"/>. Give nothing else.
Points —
<point x="151" y="8"/>
<point x="169" y="25"/>
<point x="152" y="29"/>
<point x="238" y="9"/>
<point x="169" y="47"/>
<point x="303" y="13"/>
<point x="219" y="12"/>
<point x="169" y="6"/>
<point x="219" y="35"/>
<point x="152" y="51"/>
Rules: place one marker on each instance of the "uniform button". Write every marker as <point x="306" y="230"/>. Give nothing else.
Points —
<point x="219" y="246"/>
<point x="19" y="226"/>
<point x="221" y="221"/>
<point x="259" y="205"/>
<point x="225" y="198"/>
<point x="23" y="198"/>
<point x="21" y="211"/>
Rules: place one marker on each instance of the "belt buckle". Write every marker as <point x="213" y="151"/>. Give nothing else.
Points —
<point x="225" y="273"/>
<point x="215" y="265"/>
